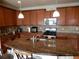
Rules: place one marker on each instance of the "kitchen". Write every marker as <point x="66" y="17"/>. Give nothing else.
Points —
<point x="37" y="20"/>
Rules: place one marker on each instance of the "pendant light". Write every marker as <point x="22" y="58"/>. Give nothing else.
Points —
<point x="56" y="12"/>
<point x="20" y="16"/>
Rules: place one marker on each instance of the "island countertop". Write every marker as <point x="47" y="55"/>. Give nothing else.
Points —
<point x="38" y="47"/>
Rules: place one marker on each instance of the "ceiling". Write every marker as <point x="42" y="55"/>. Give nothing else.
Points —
<point x="38" y="3"/>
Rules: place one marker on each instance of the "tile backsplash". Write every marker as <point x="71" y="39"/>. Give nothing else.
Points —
<point x="62" y="29"/>
<point x="68" y="29"/>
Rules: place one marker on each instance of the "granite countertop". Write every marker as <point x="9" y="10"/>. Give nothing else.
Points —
<point x="39" y="47"/>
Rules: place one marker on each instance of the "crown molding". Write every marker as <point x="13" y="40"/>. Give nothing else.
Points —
<point x="47" y="7"/>
<point x="51" y="7"/>
<point x="9" y="6"/>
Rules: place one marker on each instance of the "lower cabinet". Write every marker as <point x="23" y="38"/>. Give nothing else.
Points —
<point x="76" y="57"/>
<point x="67" y="42"/>
<point x="67" y="45"/>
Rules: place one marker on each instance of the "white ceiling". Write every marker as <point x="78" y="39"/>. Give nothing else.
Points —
<point x="37" y="3"/>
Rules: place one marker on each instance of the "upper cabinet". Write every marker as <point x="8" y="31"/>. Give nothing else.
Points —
<point x="26" y="20"/>
<point x="10" y="17"/>
<point x="70" y="16"/>
<point x="62" y="18"/>
<point x="7" y="16"/>
<point x="33" y="17"/>
<point x="40" y="16"/>
<point x="77" y="15"/>
<point x="19" y="21"/>
<point x="1" y="17"/>
<point x="48" y="14"/>
<point x="14" y="17"/>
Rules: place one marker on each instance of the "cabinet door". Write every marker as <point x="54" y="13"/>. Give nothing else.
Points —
<point x="19" y="21"/>
<point x="26" y="20"/>
<point x="40" y="16"/>
<point x="70" y="16"/>
<point x="14" y="17"/>
<point x="33" y="20"/>
<point x="8" y="17"/>
<point x="48" y="14"/>
<point x="61" y="19"/>
<point x="77" y="15"/>
<point x="1" y="17"/>
<point x="76" y="57"/>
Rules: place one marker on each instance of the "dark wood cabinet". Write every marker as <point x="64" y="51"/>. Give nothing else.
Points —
<point x="19" y="21"/>
<point x="76" y="57"/>
<point x="40" y="16"/>
<point x="70" y="16"/>
<point x="48" y="14"/>
<point x="77" y="15"/>
<point x="33" y="17"/>
<point x="14" y="18"/>
<point x="7" y="16"/>
<point x="1" y="17"/>
<point x="61" y="20"/>
<point x="67" y="41"/>
<point x="26" y="20"/>
<point x="10" y="17"/>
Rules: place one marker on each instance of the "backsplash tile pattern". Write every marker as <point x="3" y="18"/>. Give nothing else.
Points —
<point x="68" y="29"/>
<point x="62" y="29"/>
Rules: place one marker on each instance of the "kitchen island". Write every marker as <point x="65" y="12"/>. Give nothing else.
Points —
<point x="26" y="44"/>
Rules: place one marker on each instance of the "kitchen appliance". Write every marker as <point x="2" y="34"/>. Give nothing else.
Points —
<point x="34" y="29"/>
<point x="50" y="33"/>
